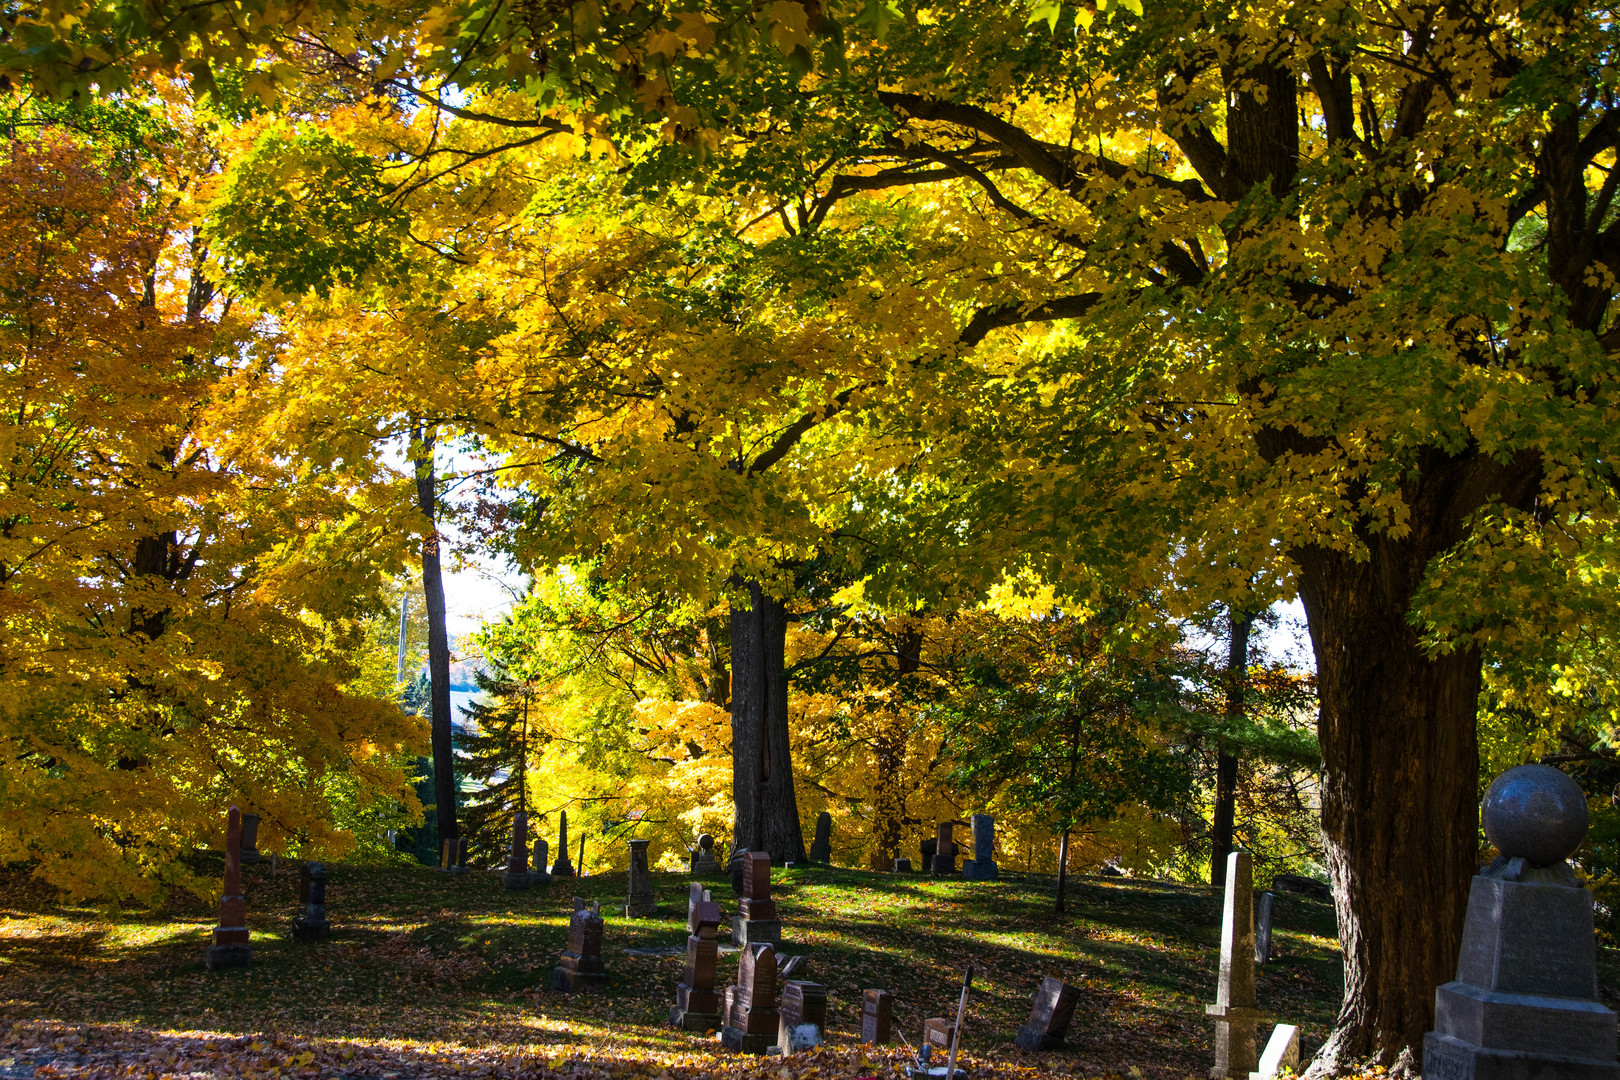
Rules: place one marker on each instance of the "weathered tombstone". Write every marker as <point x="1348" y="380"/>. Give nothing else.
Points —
<point x="453" y="855"/>
<point x="982" y="867"/>
<point x="927" y="848"/>
<point x="787" y="966"/>
<point x="230" y="945"/>
<point x="1049" y="1017"/>
<point x="516" y="874"/>
<point x="310" y="923"/>
<point x="736" y="868"/>
<point x="697" y="1006"/>
<point x="938" y="1033"/>
<point x="250" y="839"/>
<point x="821" y="847"/>
<point x="944" y="851"/>
<point x="562" y="868"/>
<point x="1262" y="928"/>
<point x="1234" y="1010"/>
<point x="581" y="967"/>
<point x="804" y="1006"/>
<point x="902" y="866"/>
<point x="1524" y="1002"/>
<point x="877" y="1017"/>
<point x="751" y="1016"/>
<point x="542" y="851"/>
<point x="1282" y="1052"/>
<point x="704" y="859"/>
<point x="640" y="901"/>
<point x="756" y="912"/>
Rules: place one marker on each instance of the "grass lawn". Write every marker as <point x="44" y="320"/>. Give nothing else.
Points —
<point x="429" y="975"/>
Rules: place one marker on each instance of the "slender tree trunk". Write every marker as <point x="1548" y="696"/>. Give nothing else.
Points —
<point x="1223" y="826"/>
<point x="767" y="808"/>
<point x="1063" y="870"/>
<point x="1399" y="815"/>
<point x="889" y="758"/>
<point x="444" y="765"/>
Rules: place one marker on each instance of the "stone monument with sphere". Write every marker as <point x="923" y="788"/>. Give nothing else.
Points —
<point x="1524" y="1002"/>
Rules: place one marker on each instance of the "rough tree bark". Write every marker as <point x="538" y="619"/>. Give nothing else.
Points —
<point x="1400" y="763"/>
<point x="767" y="809"/>
<point x="444" y="765"/>
<point x="1224" y="822"/>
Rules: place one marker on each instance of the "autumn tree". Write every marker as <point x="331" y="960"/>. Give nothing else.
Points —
<point x="1328" y="289"/>
<point x="179" y="619"/>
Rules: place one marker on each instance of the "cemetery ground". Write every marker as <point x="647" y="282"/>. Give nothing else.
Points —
<point x="430" y="975"/>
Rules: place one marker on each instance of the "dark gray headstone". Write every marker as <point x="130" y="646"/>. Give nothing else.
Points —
<point x="1524" y="1002"/>
<point x="1262" y="928"/>
<point x="821" y="848"/>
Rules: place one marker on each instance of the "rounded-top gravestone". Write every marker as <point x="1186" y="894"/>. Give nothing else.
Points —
<point x="1536" y="813"/>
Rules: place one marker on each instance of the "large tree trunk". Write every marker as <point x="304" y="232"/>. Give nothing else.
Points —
<point x="1224" y="822"/>
<point x="767" y="815"/>
<point x="1399" y="792"/>
<point x="444" y="764"/>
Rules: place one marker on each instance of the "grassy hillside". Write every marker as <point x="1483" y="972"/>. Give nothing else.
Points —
<point x="421" y="965"/>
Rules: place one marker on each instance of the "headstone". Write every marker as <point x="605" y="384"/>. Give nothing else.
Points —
<point x="542" y="851"/>
<point x="804" y="1005"/>
<point x="927" y="848"/>
<point x="877" y="1017"/>
<point x="230" y="945"/>
<point x="562" y="868"/>
<point x="582" y="855"/>
<point x="250" y="839"/>
<point x="310" y="923"/>
<point x="516" y="875"/>
<point x="453" y="855"/>
<point x="1262" y="928"/>
<point x="1234" y="1010"/>
<point x="580" y="967"/>
<point x="704" y="859"/>
<point x="640" y="902"/>
<point x="788" y="966"/>
<point x="944" y="851"/>
<point x="751" y="1016"/>
<point x="1049" y="1017"/>
<point x="938" y="1033"/>
<point x="756" y="912"/>
<point x="1282" y="1052"/>
<point x="1525" y="1001"/>
<point x="982" y="867"/>
<point x="902" y="866"/>
<point x="821" y="847"/>
<point x="1305" y="886"/>
<point x="735" y="867"/>
<point x="697" y="1006"/>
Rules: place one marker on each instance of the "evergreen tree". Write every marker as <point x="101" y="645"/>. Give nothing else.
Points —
<point x="493" y="751"/>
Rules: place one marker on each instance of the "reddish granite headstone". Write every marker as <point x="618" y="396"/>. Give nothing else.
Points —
<point x="230" y="947"/>
<point x="751" y="1016"/>
<point x="877" y="1017"/>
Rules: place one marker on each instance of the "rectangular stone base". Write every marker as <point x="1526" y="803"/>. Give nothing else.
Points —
<point x="748" y="931"/>
<point x="740" y="1042"/>
<point x="310" y="930"/>
<point x="693" y="1021"/>
<point x="515" y="882"/>
<point x="1029" y="1038"/>
<point x="220" y="957"/>
<point x="1447" y="1058"/>
<point x="977" y="870"/>
<point x="640" y="909"/>
<point x="943" y="865"/>
<point x="568" y="981"/>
